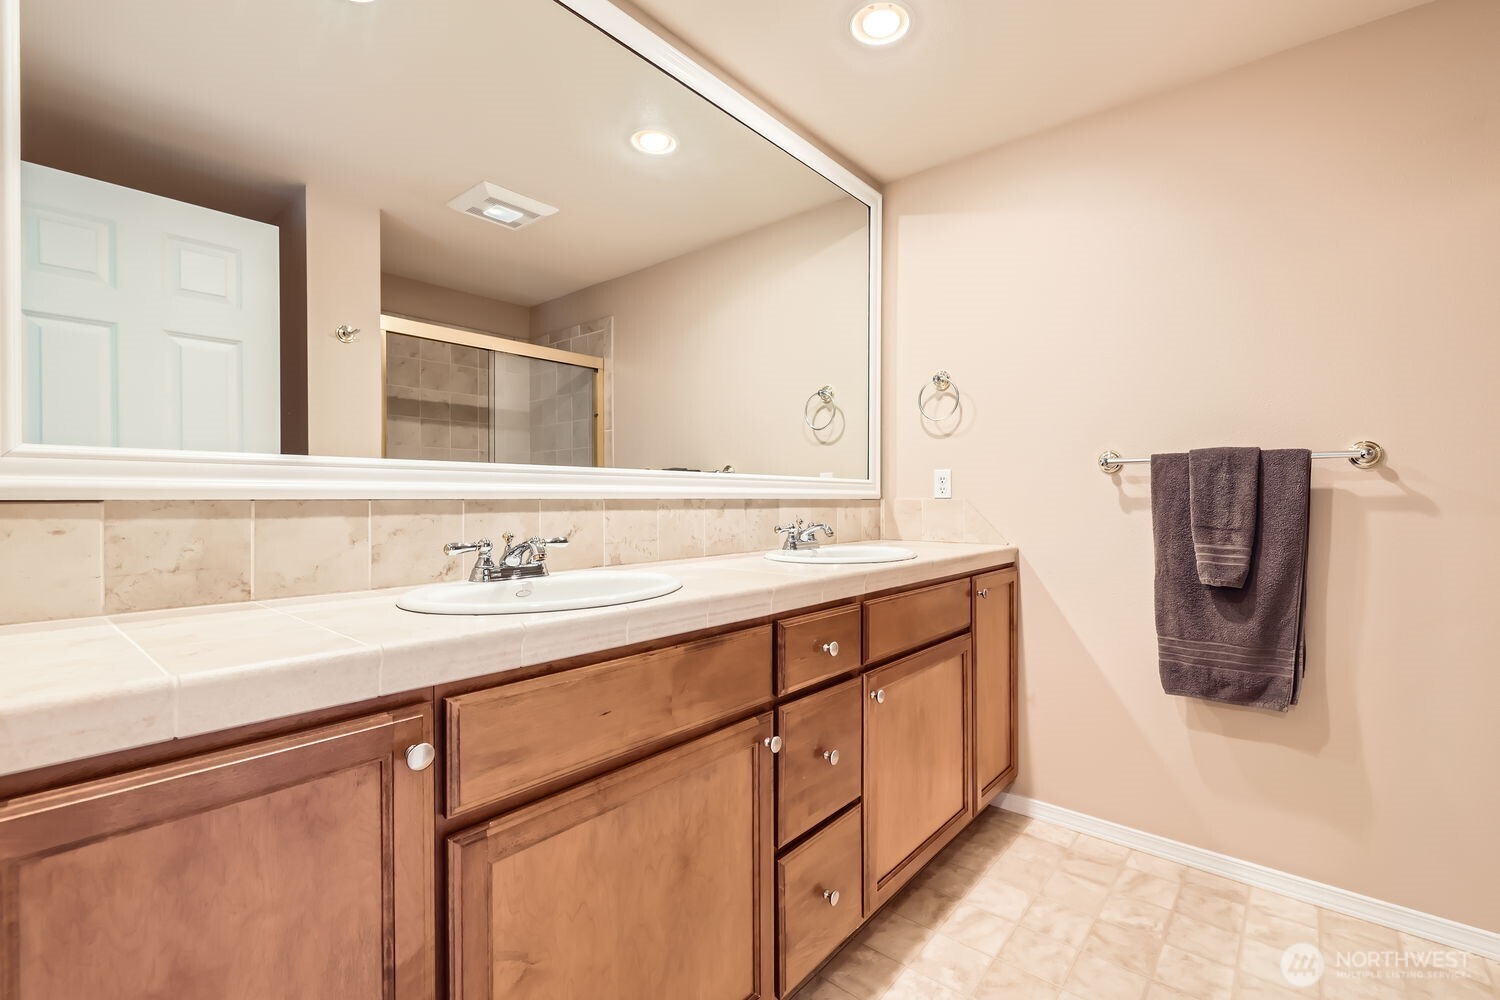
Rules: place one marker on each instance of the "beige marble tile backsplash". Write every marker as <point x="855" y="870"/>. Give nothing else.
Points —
<point x="72" y="560"/>
<point x="924" y="520"/>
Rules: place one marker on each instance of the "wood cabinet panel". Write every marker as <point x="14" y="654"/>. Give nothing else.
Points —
<point x="916" y="762"/>
<point x="295" y="867"/>
<point x="506" y="740"/>
<point x="907" y="621"/>
<point x="653" y="881"/>
<point x="813" y="922"/>
<point x="816" y="647"/>
<point x="994" y="684"/>
<point x="818" y="769"/>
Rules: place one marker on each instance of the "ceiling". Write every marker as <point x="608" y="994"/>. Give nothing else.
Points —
<point x="401" y="106"/>
<point x="972" y="74"/>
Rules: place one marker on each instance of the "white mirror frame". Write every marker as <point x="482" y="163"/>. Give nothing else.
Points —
<point x="51" y="472"/>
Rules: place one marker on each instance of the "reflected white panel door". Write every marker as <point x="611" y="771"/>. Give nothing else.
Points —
<point x="149" y="323"/>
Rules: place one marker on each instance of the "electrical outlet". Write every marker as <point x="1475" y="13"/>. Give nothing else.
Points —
<point x="942" y="484"/>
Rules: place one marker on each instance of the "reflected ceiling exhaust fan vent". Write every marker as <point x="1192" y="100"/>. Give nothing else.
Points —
<point x="493" y="203"/>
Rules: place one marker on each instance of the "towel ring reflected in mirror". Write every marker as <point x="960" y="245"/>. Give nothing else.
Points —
<point x="825" y="395"/>
<point x="943" y="383"/>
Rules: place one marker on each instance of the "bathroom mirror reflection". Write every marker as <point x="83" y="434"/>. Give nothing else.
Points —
<point x="456" y="231"/>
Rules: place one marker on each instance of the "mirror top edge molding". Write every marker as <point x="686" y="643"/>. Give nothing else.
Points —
<point x="618" y="23"/>
<point x="49" y="472"/>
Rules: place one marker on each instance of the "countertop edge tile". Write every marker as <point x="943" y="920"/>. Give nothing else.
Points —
<point x="107" y="714"/>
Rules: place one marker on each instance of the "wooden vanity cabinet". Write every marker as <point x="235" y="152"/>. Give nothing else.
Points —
<point x="650" y="882"/>
<point x="994" y="685"/>
<point x="300" y="866"/>
<point x="706" y="818"/>
<point x="917" y="752"/>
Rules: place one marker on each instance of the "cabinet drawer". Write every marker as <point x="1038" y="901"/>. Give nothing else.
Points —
<point x="812" y="924"/>
<point x="903" y="622"/>
<point x="817" y="646"/>
<point x="507" y="740"/>
<point x="818" y="769"/>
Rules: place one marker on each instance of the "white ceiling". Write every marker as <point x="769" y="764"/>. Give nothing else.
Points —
<point x="975" y="73"/>
<point x="402" y="105"/>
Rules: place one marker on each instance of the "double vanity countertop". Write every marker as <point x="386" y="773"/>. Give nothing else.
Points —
<point x="89" y="686"/>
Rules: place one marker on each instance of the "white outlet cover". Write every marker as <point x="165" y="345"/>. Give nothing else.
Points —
<point x="942" y="484"/>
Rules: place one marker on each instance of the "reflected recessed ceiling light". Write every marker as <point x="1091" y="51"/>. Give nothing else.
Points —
<point x="654" y="141"/>
<point x="880" y="23"/>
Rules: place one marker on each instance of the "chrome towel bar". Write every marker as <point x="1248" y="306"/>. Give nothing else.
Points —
<point x="1361" y="455"/>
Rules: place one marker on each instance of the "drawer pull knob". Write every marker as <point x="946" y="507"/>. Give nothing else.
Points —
<point x="419" y="757"/>
<point x="831" y="648"/>
<point x="774" y="743"/>
<point x="985" y="592"/>
<point x="878" y="696"/>
<point x="832" y="756"/>
<point x="832" y="895"/>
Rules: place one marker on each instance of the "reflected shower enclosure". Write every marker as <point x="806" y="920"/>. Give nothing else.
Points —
<point x="453" y="395"/>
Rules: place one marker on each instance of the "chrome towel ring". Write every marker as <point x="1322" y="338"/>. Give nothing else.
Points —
<point x="824" y="394"/>
<point x="942" y="382"/>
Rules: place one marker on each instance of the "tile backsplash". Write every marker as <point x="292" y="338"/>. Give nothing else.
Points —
<point x="71" y="560"/>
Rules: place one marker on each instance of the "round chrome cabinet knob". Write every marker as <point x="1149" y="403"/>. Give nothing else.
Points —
<point x="831" y="648"/>
<point x="985" y="592"/>
<point x="420" y="756"/>
<point x="774" y="743"/>
<point x="832" y="756"/>
<point x="832" y="895"/>
<point x="878" y="696"/>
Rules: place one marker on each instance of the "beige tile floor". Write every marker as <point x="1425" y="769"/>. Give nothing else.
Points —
<point x="1016" y="908"/>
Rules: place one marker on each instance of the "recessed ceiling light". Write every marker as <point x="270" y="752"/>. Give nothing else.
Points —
<point x="361" y="1"/>
<point x="654" y="141"/>
<point x="493" y="203"/>
<point x="880" y="23"/>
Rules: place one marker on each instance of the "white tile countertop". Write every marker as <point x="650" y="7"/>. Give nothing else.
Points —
<point x="88" y="686"/>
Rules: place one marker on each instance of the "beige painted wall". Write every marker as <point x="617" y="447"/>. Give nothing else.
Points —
<point x="414" y="299"/>
<point x="778" y="312"/>
<point x="1301" y="252"/>
<point x="344" y="383"/>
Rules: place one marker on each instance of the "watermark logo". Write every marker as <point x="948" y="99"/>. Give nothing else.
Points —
<point x="1302" y="964"/>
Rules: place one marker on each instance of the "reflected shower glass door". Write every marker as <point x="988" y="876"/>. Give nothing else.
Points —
<point x="457" y="396"/>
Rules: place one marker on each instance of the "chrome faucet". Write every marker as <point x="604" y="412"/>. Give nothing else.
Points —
<point x="801" y="535"/>
<point x="485" y="570"/>
<point x="518" y="561"/>
<point x="526" y="559"/>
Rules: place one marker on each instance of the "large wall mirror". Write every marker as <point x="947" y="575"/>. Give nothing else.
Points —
<point x="470" y="246"/>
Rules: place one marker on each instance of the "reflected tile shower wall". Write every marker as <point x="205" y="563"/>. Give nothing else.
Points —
<point x="437" y="401"/>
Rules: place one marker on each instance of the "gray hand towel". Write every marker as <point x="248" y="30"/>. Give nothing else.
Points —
<point x="1224" y="488"/>
<point x="1241" y="646"/>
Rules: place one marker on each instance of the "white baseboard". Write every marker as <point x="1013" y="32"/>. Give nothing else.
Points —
<point x="1423" y="925"/>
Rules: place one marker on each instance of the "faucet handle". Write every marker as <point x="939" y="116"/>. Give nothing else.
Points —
<point x="483" y="547"/>
<point x="782" y="529"/>
<point x="561" y="541"/>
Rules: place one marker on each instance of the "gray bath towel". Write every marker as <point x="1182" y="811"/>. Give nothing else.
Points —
<point x="1241" y="646"/>
<point x="1224" y="487"/>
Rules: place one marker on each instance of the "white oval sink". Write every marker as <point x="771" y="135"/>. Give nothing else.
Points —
<point x="570" y="591"/>
<point x="832" y="555"/>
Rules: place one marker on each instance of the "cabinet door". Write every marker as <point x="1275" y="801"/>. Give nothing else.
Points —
<point x="294" y="867"/>
<point x="653" y="881"/>
<point x="916" y="762"/>
<point x="994" y="684"/>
